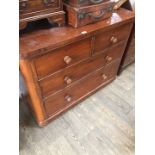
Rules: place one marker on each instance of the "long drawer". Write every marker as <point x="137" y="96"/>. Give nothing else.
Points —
<point x="69" y="96"/>
<point x="111" y="37"/>
<point x="69" y="75"/>
<point x="62" y="58"/>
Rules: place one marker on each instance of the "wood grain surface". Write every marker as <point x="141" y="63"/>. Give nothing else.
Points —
<point x="41" y="41"/>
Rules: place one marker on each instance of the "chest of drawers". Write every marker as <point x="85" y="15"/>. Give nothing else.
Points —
<point x="31" y="10"/>
<point x="62" y="66"/>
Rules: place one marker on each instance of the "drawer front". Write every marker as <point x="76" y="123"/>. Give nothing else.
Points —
<point x="69" y="75"/>
<point x="30" y="6"/>
<point x="114" y="52"/>
<point x="112" y="37"/>
<point x="78" y="91"/>
<point x="62" y="58"/>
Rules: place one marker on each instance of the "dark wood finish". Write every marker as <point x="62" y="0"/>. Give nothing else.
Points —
<point x="32" y="6"/>
<point x="62" y="58"/>
<point x="58" y="17"/>
<point x="111" y="37"/>
<point x="80" y="3"/>
<point x="80" y="89"/>
<point x="68" y="76"/>
<point x="31" y="10"/>
<point x="36" y="103"/>
<point x="41" y="41"/>
<point x="81" y="16"/>
<point x="129" y="54"/>
<point x="128" y="5"/>
<point x="61" y="72"/>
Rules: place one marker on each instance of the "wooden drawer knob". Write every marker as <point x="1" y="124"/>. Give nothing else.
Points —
<point x="113" y="40"/>
<point x="68" y="98"/>
<point x="108" y="58"/>
<point x="67" y="59"/>
<point x="104" y="76"/>
<point x="67" y="80"/>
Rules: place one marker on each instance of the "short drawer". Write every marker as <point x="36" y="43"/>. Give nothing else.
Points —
<point x="114" y="52"/>
<point x="62" y="58"/>
<point x="110" y="38"/>
<point x="71" y="95"/>
<point x="30" y="6"/>
<point x="69" y="75"/>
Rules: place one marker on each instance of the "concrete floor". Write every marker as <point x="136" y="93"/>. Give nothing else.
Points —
<point x="103" y="124"/>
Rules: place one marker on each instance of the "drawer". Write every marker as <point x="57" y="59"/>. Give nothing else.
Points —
<point x="71" y="95"/>
<point x="114" y="52"/>
<point x="30" y="6"/>
<point x="69" y="75"/>
<point x="89" y="14"/>
<point x="109" y="38"/>
<point x="62" y="58"/>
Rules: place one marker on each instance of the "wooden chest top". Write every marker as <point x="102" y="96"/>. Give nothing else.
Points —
<point x="40" y="41"/>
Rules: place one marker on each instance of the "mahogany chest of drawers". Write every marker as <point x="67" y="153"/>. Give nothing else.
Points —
<point x="31" y="10"/>
<point x="62" y="66"/>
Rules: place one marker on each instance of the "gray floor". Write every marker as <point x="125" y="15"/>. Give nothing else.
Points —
<point x="101" y="125"/>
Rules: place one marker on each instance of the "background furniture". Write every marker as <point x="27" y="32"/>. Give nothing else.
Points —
<point x="83" y="15"/>
<point x="31" y="10"/>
